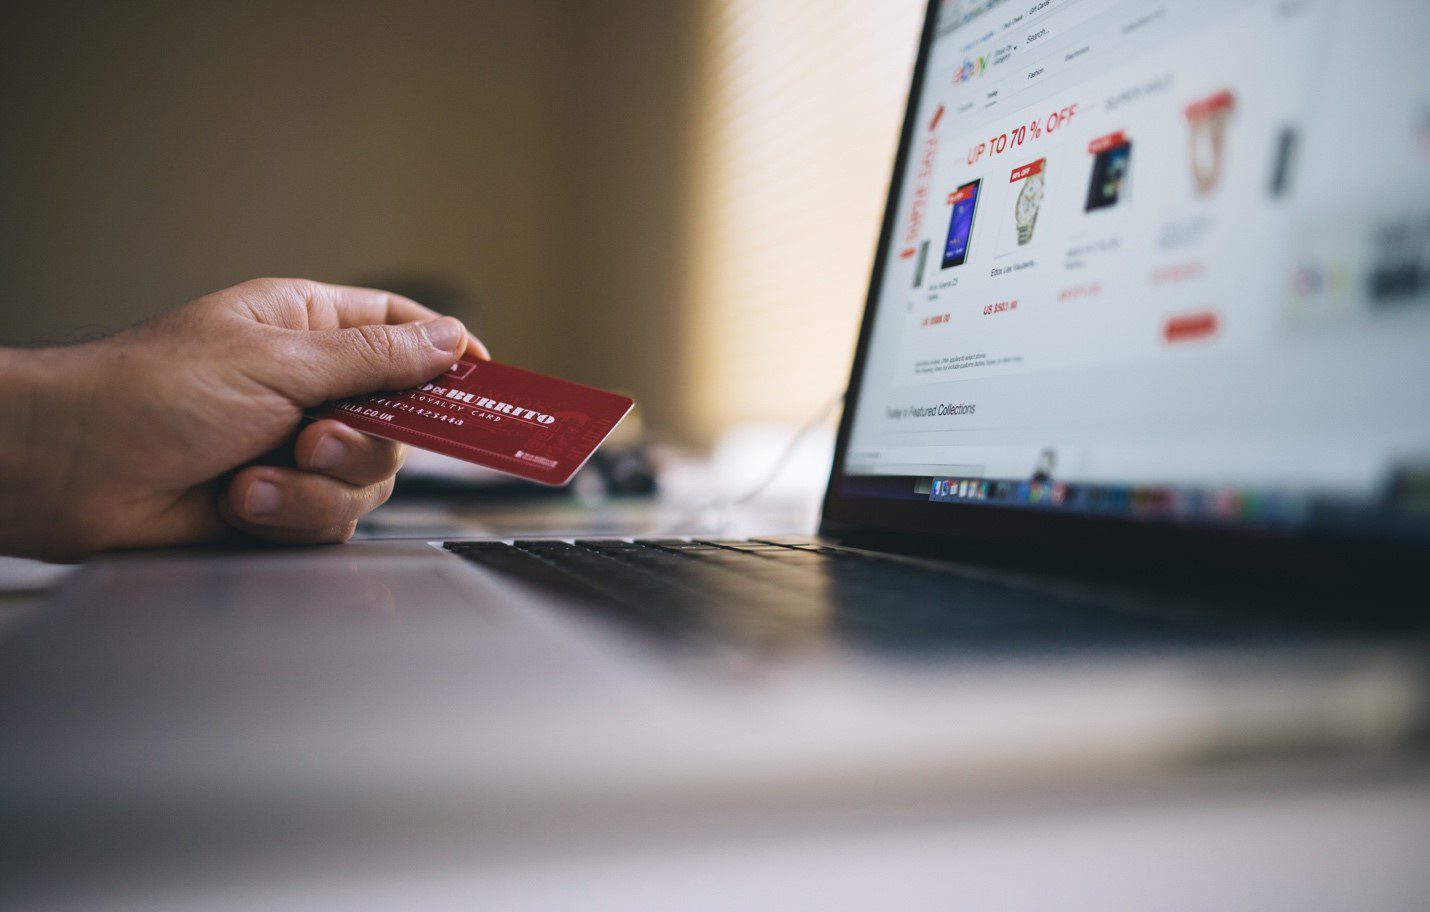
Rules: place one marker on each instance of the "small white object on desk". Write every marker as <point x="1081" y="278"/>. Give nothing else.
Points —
<point x="24" y="586"/>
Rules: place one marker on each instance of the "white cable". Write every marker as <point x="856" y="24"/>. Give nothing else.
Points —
<point x="725" y="504"/>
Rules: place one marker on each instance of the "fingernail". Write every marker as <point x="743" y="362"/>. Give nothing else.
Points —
<point x="328" y="453"/>
<point x="445" y="333"/>
<point x="263" y="498"/>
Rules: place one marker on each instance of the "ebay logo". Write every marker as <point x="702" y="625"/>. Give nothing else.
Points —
<point x="971" y="68"/>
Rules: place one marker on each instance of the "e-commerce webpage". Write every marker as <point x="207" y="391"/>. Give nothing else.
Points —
<point x="1158" y="258"/>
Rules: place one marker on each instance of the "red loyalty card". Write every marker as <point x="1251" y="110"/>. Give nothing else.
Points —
<point x="495" y="415"/>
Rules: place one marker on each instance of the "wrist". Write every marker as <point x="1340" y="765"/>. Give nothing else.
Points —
<point x="39" y="450"/>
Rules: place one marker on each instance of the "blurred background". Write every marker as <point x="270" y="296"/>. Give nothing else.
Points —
<point x="677" y="200"/>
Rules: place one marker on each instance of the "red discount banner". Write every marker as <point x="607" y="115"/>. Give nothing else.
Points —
<point x="1110" y="141"/>
<point x="1211" y="105"/>
<point x="937" y="116"/>
<point x="1027" y="170"/>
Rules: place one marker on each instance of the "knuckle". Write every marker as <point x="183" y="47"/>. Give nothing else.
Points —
<point x="384" y="492"/>
<point x="276" y="292"/>
<point x="312" y="504"/>
<point x="379" y="341"/>
<point x="259" y="286"/>
<point x="341" y="506"/>
<point x="335" y="535"/>
<point x="303" y="289"/>
<point x="388" y="459"/>
<point x="350" y="505"/>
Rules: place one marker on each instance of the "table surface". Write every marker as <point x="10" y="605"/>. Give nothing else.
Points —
<point x="1281" y="833"/>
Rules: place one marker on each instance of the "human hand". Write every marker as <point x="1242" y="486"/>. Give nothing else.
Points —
<point x="182" y="430"/>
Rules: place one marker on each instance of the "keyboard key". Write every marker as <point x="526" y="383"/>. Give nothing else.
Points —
<point x="769" y="595"/>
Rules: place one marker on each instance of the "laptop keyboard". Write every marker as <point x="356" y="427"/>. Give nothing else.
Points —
<point x="782" y="594"/>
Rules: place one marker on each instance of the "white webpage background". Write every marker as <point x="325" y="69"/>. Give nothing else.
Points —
<point x="1293" y="390"/>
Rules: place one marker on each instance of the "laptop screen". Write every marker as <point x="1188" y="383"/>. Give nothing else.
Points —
<point x="1155" y="260"/>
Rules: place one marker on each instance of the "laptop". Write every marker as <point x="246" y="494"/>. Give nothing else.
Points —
<point x="1134" y="467"/>
<point x="1144" y="304"/>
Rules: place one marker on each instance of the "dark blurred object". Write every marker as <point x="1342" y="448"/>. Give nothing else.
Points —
<point x="619" y="471"/>
<point x="626" y="471"/>
<point x="441" y="293"/>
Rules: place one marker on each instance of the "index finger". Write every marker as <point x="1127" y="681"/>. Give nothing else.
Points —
<point x="355" y="306"/>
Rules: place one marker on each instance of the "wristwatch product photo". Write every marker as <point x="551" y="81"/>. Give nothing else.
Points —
<point x="1207" y="121"/>
<point x="1030" y="200"/>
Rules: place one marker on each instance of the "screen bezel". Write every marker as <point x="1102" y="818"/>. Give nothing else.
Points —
<point x="1044" y="537"/>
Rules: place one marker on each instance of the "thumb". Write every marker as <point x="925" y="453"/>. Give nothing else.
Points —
<point x="366" y="359"/>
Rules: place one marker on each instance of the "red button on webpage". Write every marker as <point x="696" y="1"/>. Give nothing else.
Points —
<point x="1186" y="327"/>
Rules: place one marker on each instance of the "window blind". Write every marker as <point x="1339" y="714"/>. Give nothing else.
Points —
<point x="800" y="104"/>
